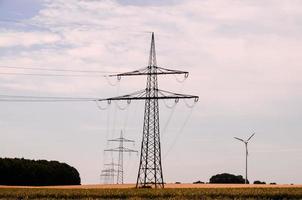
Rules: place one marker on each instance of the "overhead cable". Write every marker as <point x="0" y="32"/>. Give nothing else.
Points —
<point x="57" y="70"/>
<point x="51" y="75"/>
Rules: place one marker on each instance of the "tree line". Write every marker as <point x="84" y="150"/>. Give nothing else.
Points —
<point x="16" y="171"/>
<point x="226" y="178"/>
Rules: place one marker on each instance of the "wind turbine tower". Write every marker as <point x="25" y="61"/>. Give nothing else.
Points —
<point x="246" y="153"/>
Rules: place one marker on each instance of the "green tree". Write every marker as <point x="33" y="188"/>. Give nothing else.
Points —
<point x="15" y="171"/>
<point x="259" y="182"/>
<point x="227" y="178"/>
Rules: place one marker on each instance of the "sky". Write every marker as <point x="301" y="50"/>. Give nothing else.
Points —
<point x="244" y="63"/>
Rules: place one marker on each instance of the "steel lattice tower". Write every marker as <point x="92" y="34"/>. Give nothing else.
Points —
<point x="150" y="167"/>
<point x="109" y="173"/>
<point x="121" y="150"/>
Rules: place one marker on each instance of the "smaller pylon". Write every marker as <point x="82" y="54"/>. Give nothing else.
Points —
<point x="121" y="150"/>
<point x="109" y="173"/>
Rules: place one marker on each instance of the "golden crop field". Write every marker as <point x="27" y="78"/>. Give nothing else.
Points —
<point x="172" y="191"/>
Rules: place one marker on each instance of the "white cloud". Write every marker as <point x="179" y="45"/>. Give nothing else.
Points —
<point x="217" y="39"/>
<point x="235" y="49"/>
<point x="26" y="39"/>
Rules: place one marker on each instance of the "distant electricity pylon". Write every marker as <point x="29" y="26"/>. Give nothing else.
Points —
<point x="150" y="165"/>
<point x="246" y="153"/>
<point x="121" y="150"/>
<point x="109" y="172"/>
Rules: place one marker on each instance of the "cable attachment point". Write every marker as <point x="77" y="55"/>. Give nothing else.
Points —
<point x="120" y="107"/>
<point x="171" y="106"/>
<point x="181" y="80"/>
<point x="196" y="99"/>
<point x="194" y="102"/>
<point x="119" y="77"/>
<point x="128" y="101"/>
<point x="99" y="106"/>
<point x="113" y="84"/>
<point x="109" y="101"/>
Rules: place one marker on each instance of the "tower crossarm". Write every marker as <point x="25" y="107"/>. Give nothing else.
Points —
<point x="146" y="71"/>
<point x="108" y="170"/>
<point x="141" y="95"/>
<point x="121" y="139"/>
<point x="172" y="95"/>
<point x="121" y="149"/>
<point x="111" y="164"/>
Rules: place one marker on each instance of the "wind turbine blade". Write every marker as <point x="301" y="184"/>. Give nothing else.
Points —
<point x="251" y="136"/>
<point x="239" y="139"/>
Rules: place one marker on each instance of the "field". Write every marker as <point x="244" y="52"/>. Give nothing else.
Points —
<point x="172" y="191"/>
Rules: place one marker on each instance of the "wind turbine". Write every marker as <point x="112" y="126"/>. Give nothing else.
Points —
<point x="246" y="153"/>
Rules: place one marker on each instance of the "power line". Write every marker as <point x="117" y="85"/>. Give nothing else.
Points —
<point x="58" y="70"/>
<point x="41" y="25"/>
<point x="138" y="95"/>
<point x="58" y="24"/>
<point x="179" y="132"/>
<point x="17" y="98"/>
<point x="51" y="75"/>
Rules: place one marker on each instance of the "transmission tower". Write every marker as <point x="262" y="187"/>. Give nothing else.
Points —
<point x="109" y="172"/>
<point x="150" y="165"/>
<point x="121" y="150"/>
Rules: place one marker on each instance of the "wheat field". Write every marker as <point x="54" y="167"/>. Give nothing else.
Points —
<point x="171" y="191"/>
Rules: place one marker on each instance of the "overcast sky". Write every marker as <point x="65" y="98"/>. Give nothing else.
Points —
<point x="244" y="62"/>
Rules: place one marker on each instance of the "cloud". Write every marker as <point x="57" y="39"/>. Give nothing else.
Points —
<point x="26" y="39"/>
<point x="215" y="40"/>
<point x="235" y="50"/>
